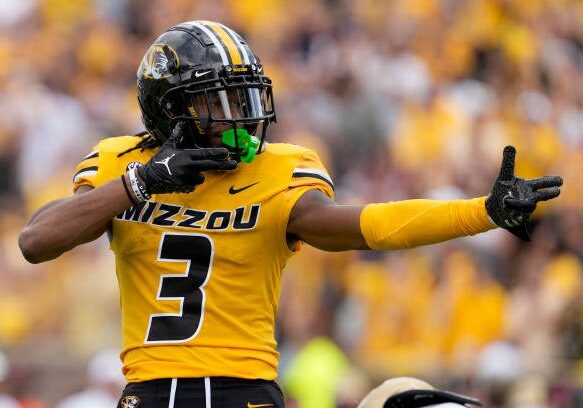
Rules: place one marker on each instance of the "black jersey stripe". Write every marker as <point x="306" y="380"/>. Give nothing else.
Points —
<point x="90" y="168"/>
<point x="298" y="174"/>
<point x="91" y="156"/>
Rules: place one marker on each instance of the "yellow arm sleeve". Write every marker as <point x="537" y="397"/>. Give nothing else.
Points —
<point x="410" y="223"/>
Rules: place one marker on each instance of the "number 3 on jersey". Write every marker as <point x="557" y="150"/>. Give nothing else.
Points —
<point x="196" y="251"/>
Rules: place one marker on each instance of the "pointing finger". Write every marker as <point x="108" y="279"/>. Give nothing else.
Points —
<point x="212" y="164"/>
<point x="507" y="168"/>
<point x="228" y="165"/>
<point x="547" y="194"/>
<point x="205" y="165"/>
<point x="216" y="153"/>
<point x="545" y="182"/>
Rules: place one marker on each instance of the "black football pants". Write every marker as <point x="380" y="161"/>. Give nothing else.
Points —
<point x="209" y="392"/>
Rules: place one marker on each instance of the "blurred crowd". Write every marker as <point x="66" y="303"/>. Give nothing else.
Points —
<point x="401" y="99"/>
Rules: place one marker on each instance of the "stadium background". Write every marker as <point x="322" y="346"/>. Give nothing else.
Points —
<point x="402" y="99"/>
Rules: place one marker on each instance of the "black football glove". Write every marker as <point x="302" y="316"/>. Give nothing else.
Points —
<point x="175" y="170"/>
<point x="513" y="199"/>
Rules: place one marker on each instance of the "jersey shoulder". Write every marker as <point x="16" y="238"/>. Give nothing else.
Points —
<point x="116" y="145"/>
<point x="303" y="166"/>
<point x="116" y="153"/>
<point x="285" y="149"/>
<point x="292" y="155"/>
<point x="108" y="159"/>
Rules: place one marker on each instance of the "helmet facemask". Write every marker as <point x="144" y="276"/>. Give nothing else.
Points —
<point x="237" y="97"/>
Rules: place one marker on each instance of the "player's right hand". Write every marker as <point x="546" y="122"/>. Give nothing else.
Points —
<point x="513" y="199"/>
<point x="175" y="170"/>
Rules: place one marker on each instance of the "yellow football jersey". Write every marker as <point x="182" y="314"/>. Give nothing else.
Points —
<point x="200" y="273"/>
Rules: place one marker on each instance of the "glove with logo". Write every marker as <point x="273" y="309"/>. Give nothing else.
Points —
<point x="513" y="199"/>
<point x="175" y="170"/>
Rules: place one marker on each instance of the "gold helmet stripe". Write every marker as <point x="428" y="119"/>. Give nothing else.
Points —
<point x="235" y="53"/>
<point x="215" y="39"/>
<point x="248" y="57"/>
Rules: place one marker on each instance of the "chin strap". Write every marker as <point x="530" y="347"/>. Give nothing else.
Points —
<point x="246" y="144"/>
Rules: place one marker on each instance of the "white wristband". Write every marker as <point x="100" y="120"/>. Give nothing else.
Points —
<point x="137" y="186"/>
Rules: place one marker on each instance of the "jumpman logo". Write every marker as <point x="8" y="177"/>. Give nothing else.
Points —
<point x="165" y="162"/>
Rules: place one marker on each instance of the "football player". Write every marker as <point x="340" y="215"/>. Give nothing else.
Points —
<point x="202" y="214"/>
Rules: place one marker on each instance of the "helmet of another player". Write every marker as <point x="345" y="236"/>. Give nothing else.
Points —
<point x="410" y="392"/>
<point x="205" y="74"/>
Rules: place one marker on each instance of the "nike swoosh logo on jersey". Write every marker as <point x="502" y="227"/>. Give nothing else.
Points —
<point x="249" y="405"/>
<point x="198" y="74"/>
<point x="234" y="190"/>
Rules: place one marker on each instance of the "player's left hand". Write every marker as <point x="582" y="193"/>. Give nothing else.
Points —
<point x="513" y="199"/>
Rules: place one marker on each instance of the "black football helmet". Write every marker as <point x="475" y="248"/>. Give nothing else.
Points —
<point x="202" y="72"/>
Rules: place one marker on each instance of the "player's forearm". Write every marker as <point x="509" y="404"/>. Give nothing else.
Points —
<point x="323" y="224"/>
<point x="334" y="230"/>
<point x="63" y="224"/>
<point x="410" y="223"/>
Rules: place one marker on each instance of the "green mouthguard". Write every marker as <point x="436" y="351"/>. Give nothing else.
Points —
<point x="248" y="144"/>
